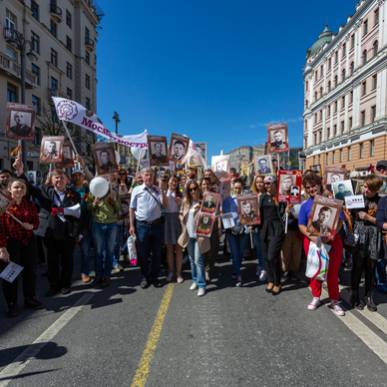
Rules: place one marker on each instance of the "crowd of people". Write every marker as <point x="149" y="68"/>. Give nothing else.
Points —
<point x="159" y="210"/>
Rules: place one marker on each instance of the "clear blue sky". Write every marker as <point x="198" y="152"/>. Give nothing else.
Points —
<point x="216" y="70"/>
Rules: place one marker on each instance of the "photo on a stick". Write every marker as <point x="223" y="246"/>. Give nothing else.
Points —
<point x="205" y="224"/>
<point x="178" y="147"/>
<point x="158" y="151"/>
<point x="105" y="158"/>
<point x="263" y="165"/>
<point x="249" y="210"/>
<point x="278" y="138"/>
<point x="210" y="202"/>
<point x="51" y="150"/>
<point x="20" y="122"/>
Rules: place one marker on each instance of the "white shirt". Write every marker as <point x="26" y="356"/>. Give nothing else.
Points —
<point x="147" y="208"/>
<point x="191" y="224"/>
<point x="172" y="205"/>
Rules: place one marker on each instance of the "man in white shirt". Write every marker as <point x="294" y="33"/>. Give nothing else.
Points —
<point x="146" y="224"/>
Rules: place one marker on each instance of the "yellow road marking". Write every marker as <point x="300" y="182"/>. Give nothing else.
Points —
<point x="142" y="372"/>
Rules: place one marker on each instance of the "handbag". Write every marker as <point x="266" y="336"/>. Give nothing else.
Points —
<point x="317" y="261"/>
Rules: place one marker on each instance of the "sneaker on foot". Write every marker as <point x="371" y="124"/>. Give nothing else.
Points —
<point x="180" y="279"/>
<point x="238" y="283"/>
<point x="263" y="276"/>
<point x="201" y="292"/>
<point x="337" y="309"/>
<point x="193" y="286"/>
<point x="314" y="304"/>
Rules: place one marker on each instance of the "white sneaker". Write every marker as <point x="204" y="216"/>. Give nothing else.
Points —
<point x="201" y="292"/>
<point x="180" y="279"/>
<point x="315" y="303"/>
<point x="337" y="309"/>
<point x="170" y="277"/>
<point x="263" y="276"/>
<point x="193" y="286"/>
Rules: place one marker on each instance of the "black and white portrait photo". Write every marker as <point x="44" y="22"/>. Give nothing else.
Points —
<point x="178" y="147"/>
<point x="263" y="165"/>
<point x="342" y="189"/>
<point x="20" y="122"/>
<point x="105" y="158"/>
<point x="278" y="138"/>
<point x="51" y="151"/>
<point x="158" y="154"/>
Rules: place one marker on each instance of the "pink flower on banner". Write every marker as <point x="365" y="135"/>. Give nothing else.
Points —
<point x="66" y="110"/>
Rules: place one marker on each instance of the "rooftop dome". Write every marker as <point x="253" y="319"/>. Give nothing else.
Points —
<point x="324" y="38"/>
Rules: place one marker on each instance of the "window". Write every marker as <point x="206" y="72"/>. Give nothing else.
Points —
<point x="342" y="126"/>
<point x="328" y="133"/>
<point x="334" y="130"/>
<point x="361" y="151"/>
<point x="315" y="76"/>
<point x="68" y="43"/>
<point x="69" y="70"/>
<point x="344" y="52"/>
<point x="321" y="71"/>
<point x="335" y="107"/>
<point x="373" y="113"/>
<point x="315" y="138"/>
<point x="306" y="103"/>
<point x="329" y="110"/>
<point x="68" y="19"/>
<point x="350" y="123"/>
<point x="35" y="42"/>
<point x="342" y="75"/>
<point x="336" y="57"/>
<point x="69" y="93"/>
<point x="87" y="60"/>
<point x="37" y="104"/>
<point x="315" y="95"/>
<point x="54" y="57"/>
<point x="329" y="63"/>
<point x="35" y="9"/>
<point x="12" y="93"/>
<point x="349" y="153"/>
<point x="343" y="102"/>
<point x="53" y="28"/>
<point x="321" y="92"/>
<point x="376" y="16"/>
<point x="374" y="81"/>
<point x="11" y="53"/>
<point x="87" y="35"/>
<point x="36" y="71"/>
<point x="87" y="81"/>
<point x="10" y="21"/>
<point x="364" y="88"/>
<point x="88" y="105"/>
<point x="352" y="67"/>
<point x="329" y="86"/>
<point x="54" y="86"/>
<point x="336" y="80"/>
<point x="362" y="118"/>
<point x="372" y="148"/>
<point x="364" y="57"/>
<point x="315" y="118"/>
<point x="352" y="41"/>
<point x="320" y="114"/>
<point x="375" y="47"/>
<point x="340" y="155"/>
<point x="351" y="97"/>
<point x="365" y="27"/>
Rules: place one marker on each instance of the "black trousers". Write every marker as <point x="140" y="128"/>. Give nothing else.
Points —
<point x="24" y="255"/>
<point x="362" y="264"/>
<point x="60" y="262"/>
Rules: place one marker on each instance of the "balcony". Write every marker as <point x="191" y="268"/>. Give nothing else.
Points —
<point x="89" y="44"/>
<point x="55" y="11"/>
<point x="10" y="34"/>
<point x="13" y="70"/>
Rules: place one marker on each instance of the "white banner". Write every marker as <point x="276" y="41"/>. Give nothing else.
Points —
<point x="71" y="111"/>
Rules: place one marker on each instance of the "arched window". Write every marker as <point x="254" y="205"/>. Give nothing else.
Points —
<point x="364" y="57"/>
<point x="352" y="67"/>
<point x="375" y="47"/>
<point x="343" y="75"/>
<point x="329" y="85"/>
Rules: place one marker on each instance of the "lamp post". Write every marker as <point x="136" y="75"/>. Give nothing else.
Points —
<point x="116" y="119"/>
<point x="18" y="40"/>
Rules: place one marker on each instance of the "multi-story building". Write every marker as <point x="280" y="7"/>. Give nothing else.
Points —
<point x="345" y="111"/>
<point x="60" y="60"/>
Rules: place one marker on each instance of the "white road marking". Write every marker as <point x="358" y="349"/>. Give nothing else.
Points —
<point x="375" y="343"/>
<point x="17" y="366"/>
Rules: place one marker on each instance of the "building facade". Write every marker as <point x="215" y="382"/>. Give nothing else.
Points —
<point x="61" y="61"/>
<point x="345" y="83"/>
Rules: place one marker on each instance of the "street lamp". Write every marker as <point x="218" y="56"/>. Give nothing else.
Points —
<point x="116" y="119"/>
<point x="18" y="40"/>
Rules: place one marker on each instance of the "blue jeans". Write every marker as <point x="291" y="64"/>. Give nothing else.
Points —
<point x="83" y="251"/>
<point x="149" y="244"/>
<point x="237" y="245"/>
<point x="121" y="248"/>
<point x="105" y="236"/>
<point x="197" y="263"/>
<point x="258" y="250"/>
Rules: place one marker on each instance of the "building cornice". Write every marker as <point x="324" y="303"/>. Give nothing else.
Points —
<point x="355" y="21"/>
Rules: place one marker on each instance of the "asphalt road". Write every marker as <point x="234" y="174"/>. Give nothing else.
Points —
<point x="231" y="337"/>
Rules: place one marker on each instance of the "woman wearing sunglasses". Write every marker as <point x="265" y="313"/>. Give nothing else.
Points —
<point x="272" y="234"/>
<point x="196" y="246"/>
<point x="312" y="185"/>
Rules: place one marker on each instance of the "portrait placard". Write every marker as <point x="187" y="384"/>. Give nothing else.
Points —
<point x="220" y="165"/>
<point x="158" y="154"/>
<point x="278" y="138"/>
<point x="289" y="186"/>
<point x="105" y="158"/>
<point x="248" y="207"/>
<point x="68" y="155"/>
<point x="205" y="224"/>
<point x="201" y="147"/>
<point x="316" y="168"/>
<point x="32" y="177"/>
<point x="324" y="215"/>
<point x="178" y="148"/>
<point x="355" y="201"/>
<point x="263" y="165"/>
<point x="341" y="189"/>
<point x="333" y="175"/>
<point x="20" y="122"/>
<point x="51" y="150"/>
<point x="210" y="202"/>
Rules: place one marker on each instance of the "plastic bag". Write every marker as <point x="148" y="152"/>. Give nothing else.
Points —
<point x="317" y="261"/>
<point x="132" y="251"/>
